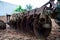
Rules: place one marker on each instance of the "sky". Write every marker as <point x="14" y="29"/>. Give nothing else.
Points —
<point x="7" y="6"/>
<point x="23" y="3"/>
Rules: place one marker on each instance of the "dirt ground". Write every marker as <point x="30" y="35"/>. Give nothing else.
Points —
<point x="13" y="35"/>
<point x="55" y="32"/>
<point x="10" y="34"/>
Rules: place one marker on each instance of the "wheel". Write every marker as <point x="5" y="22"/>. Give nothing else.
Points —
<point x="43" y="30"/>
<point x="2" y="25"/>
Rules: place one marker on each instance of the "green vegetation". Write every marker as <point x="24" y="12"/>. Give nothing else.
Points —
<point x="28" y="7"/>
<point x="20" y="9"/>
